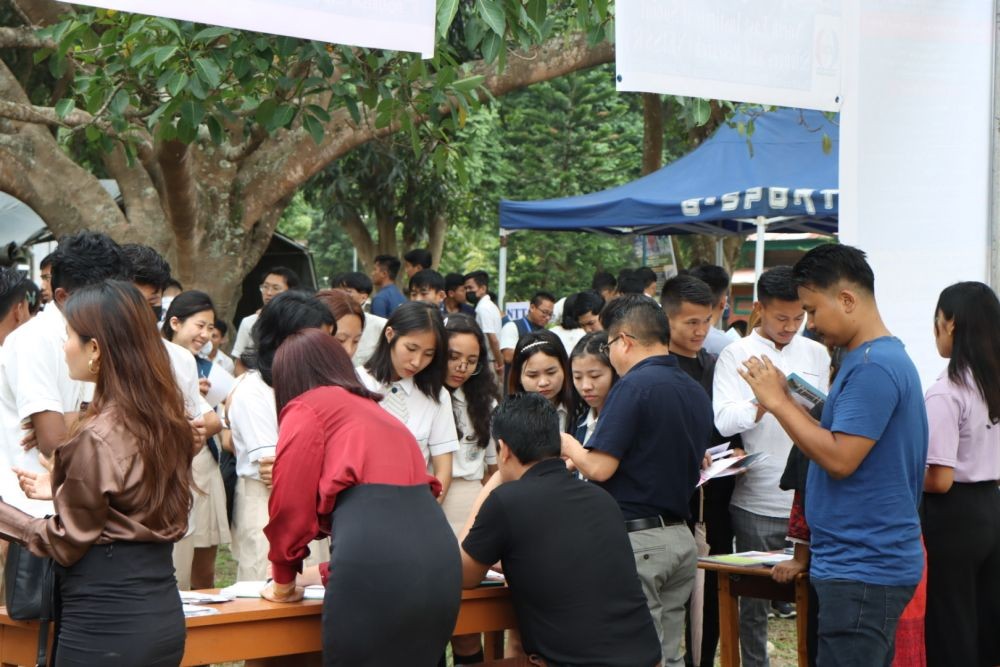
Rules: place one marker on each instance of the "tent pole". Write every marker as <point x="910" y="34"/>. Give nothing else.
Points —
<point x="502" y="274"/>
<point x="758" y="265"/>
<point x="720" y="252"/>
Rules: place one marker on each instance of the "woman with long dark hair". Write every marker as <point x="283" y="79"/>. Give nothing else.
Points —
<point x="121" y="488"/>
<point x="253" y="421"/>
<point x="961" y="505"/>
<point x="188" y="323"/>
<point x="473" y="391"/>
<point x="348" y="469"/>
<point x="540" y="365"/>
<point x="408" y="367"/>
<point x="593" y="377"/>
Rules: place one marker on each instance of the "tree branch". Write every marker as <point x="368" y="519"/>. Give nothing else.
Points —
<point x="23" y="38"/>
<point x="41" y="12"/>
<point x="180" y="202"/>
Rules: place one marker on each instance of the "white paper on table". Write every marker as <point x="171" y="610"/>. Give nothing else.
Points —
<point x="252" y="589"/>
<point x="197" y="597"/>
<point x="221" y="383"/>
<point x="192" y="610"/>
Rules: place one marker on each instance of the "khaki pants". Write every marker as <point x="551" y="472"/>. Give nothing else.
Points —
<point x="667" y="560"/>
<point x="458" y="503"/>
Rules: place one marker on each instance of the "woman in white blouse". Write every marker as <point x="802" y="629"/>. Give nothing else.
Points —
<point x="593" y="377"/>
<point x="408" y="368"/>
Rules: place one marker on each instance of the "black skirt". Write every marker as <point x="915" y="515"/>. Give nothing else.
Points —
<point x="395" y="580"/>
<point x="119" y="606"/>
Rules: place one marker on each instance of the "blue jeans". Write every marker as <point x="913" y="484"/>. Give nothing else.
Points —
<point x="857" y="622"/>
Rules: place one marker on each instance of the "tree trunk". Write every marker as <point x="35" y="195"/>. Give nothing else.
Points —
<point x="652" y="133"/>
<point x="439" y="225"/>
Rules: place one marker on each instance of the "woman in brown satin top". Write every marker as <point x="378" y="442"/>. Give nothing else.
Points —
<point x="121" y="490"/>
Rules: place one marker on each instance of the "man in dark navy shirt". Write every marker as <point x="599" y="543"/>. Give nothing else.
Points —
<point x="646" y="451"/>
<point x="564" y="549"/>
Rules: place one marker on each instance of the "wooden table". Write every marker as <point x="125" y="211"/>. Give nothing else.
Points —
<point x="255" y="628"/>
<point x="755" y="582"/>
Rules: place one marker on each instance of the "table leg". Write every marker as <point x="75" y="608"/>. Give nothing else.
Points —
<point x="802" y="618"/>
<point x="729" y="623"/>
<point x="493" y="645"/>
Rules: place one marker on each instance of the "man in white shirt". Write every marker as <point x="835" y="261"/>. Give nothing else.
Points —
<point x="717" y="279"/>
<point x="488" y="315"/>
<point x="13" y="301"/>
<point x="36" y="392"/>
<point x="759" y="509"/>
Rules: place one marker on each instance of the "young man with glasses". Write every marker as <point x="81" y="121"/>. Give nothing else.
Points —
<point x="538" y="315"/>
<point x="278" y="279"/>
<point x="646" y="452"/>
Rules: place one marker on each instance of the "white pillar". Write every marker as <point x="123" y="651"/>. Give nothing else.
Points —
<point x="502" y="273"/>
<point x="758" y="265"/>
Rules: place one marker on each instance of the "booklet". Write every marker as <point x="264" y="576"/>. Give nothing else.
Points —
<point x="730" y="465"/>
<point x="804" y="393"/>
<point x="749" y="558"/>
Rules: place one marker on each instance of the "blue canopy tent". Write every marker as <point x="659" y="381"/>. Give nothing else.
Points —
<point x="779" y="180"/>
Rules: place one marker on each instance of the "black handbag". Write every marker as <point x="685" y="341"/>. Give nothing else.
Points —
<point x="29" y="583"/>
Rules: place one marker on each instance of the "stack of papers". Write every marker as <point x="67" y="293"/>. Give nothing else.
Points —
<point x="197" y="597"/>
<point x="193" y="610"/>
<point x="252" y="589"/>
<point x="749" y="558"/>
<point x="730" y="465"/>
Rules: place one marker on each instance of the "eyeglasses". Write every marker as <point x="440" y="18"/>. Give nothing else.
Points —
<point x="607" y="346"/>
<point x="271" y="289"/>
<point x="464" y="365"/>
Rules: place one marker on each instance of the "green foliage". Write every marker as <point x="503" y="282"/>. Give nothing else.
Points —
<point x="183" y="81"/>
<point x="331" y="249"/>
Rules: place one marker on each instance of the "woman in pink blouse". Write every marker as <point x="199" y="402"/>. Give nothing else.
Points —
<point x="961" y="506"/>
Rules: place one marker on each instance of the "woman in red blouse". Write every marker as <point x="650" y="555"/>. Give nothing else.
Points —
<point x="347" y="468"/>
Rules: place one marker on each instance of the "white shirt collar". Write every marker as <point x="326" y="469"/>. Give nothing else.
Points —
<point x="767" y="341"/>
<point x="406" y="384"/>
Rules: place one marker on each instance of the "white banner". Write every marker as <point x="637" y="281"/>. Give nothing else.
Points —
<point x="915" y="154"/>
<point x="397" y="25"/>
<point x="780" y="52"/>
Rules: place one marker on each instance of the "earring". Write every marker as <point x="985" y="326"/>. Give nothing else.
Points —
<point x="90" y="365"/>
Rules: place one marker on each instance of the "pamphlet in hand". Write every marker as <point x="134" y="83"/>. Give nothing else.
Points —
<point x="804" y="393"/>
<point x="731" y="465"/>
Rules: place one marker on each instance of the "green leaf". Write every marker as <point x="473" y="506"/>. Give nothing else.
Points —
<point x="64" y="107"/>
<point x="210" y="34"/>
<point x="283" y="116"/>
<point x="701" y="111"/>
<point x="215" y="129"/>
<point x="318" y="111"/>
<point x="208" y="72"/>
<point x="537" y="10"/>
<point x="491" y="46"/>
<point x="491" y="11"/>
<point x="445" y="15"/>
<point x="827" y="144"/>
<point x="119" y="103"/>
<point x="315" y="128"/>
<point x="168" y="25"/>
<point x="163" y="54"/>
<point x="265" y="112"/>
<point x="177" y="82"/>
<point x="192" y="112"/>
<point x="469" y="84"/>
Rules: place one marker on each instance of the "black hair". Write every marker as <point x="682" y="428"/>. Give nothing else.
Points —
<point x="479" y="277"/>
<point x="413" y="317"/>
<point x="453" y="281"/>
<point x="975" y="310"/>
<point x="529" y="425"/>
<point x="419" y="257"/>
<point x="427" y="278"/>
<point x="33" y="295"/>
<point x="545" y="342"/>
<point x="356" y="281"/>
<point x="592" y="345"/>
<point x="46" y="261"/>
<point x="290" y="277"/>
<point x="287" y="313"/>
<point x="481" y="389"/>
<point x="389" y="264"/>
<point x="777" y="283"/>
<point x="647" y="275"/>
<point x="569" y="320"/>
<point x="173" y="282"/>
<point x="539" y="297"/>
<point x="641" y="314"/>
<point x="13" y="289"/>
<point x="603" y="281"/>
<point x="222" y="327"/>
<point x="183" y="306"/>
<point x="585" y="302"/>
<point x="716" y="277"/>
<point x="826" y="265"/>
<point x="685" y="289"/>
<point x="148" y="266"/>
<point x="629" y="282"/>
<point x="87" y="258"/>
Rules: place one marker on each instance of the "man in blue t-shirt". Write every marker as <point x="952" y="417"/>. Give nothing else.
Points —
<point x="384" y="278"/>
<point x="868" y="454"/>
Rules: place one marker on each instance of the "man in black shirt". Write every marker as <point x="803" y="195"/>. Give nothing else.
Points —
<point x="688" y="303"/>
<point x="563" y="547"/>
<point x="647" y="451"/>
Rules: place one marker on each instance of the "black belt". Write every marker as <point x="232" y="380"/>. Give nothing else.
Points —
<point x="647" y="522"/>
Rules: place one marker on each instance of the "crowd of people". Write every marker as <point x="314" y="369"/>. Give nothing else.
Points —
<point x="396" y="445"/>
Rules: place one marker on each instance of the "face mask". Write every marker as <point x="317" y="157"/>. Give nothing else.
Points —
<point x="471" y="298"/>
